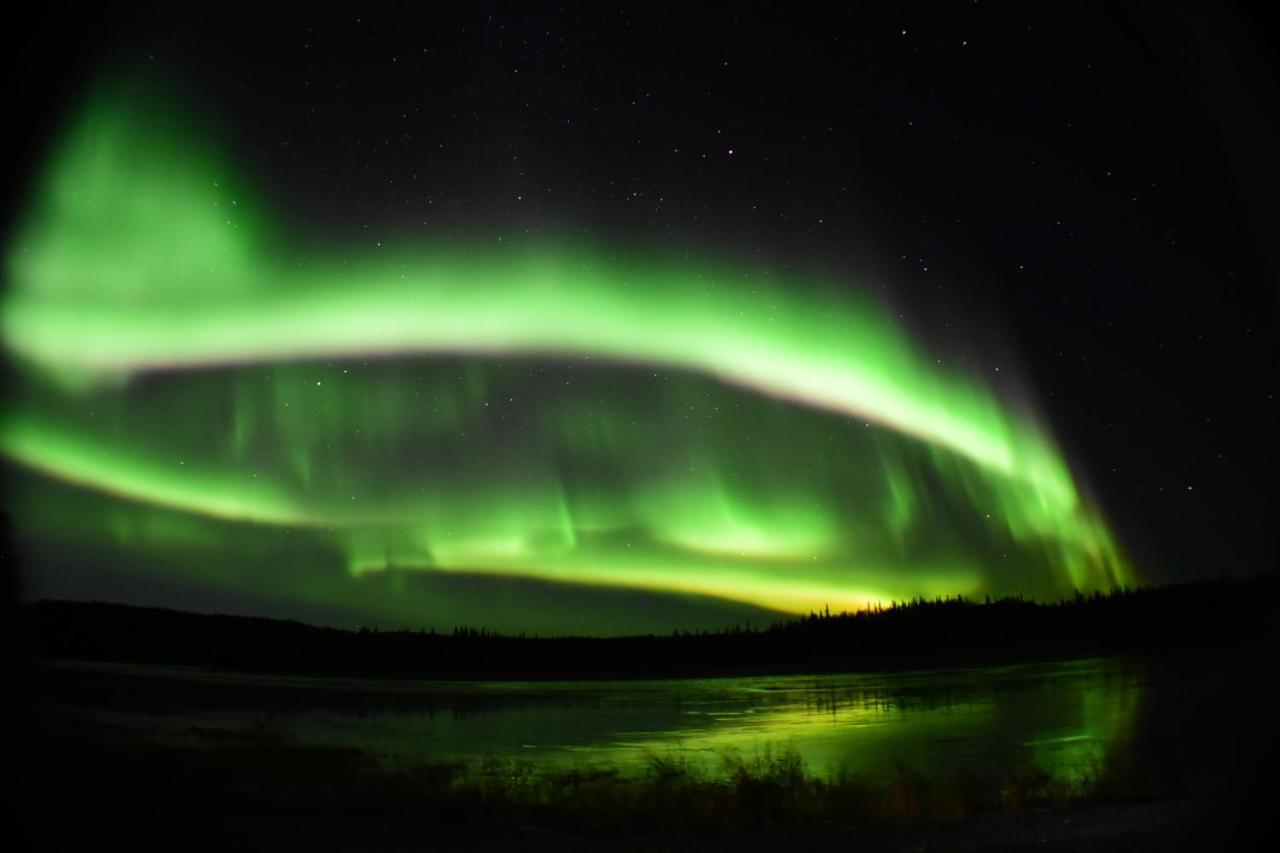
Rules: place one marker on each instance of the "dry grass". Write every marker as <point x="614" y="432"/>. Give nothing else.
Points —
<point x="770" y="788"/>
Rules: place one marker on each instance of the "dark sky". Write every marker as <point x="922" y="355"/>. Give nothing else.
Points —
<point x="1099" y="178"/>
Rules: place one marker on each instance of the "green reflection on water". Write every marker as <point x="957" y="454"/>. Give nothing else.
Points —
<point x="1061" y="718"/>
<point x="1064" y="718"/>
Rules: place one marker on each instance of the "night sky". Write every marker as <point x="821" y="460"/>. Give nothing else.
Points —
<point x="633" y="319"/>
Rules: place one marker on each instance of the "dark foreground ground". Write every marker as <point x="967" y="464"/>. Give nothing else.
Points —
<point x="80" y="793"/>
<point x="84" y="784"/>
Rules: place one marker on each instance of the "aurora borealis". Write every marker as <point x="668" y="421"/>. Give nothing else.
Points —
<point x="193" y="385"/>
<point x="640" y="425"/>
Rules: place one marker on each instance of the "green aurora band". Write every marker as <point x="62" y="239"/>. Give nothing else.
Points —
<point x="546" y="412"/>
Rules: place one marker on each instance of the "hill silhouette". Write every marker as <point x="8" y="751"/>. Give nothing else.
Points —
<point x="920" y="632"/>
